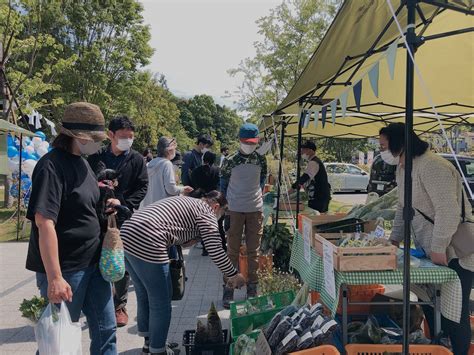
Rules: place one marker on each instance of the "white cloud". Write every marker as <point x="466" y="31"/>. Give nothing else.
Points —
<point x="196" y="42"/>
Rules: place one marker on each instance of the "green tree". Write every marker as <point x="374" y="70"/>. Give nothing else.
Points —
<point x="291" y="33"/>
<point x="226" y="123"/>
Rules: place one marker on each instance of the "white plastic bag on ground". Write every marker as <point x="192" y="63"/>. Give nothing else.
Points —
<point x="56" y="334"/>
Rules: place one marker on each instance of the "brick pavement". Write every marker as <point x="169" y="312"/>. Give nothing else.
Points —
<point x="16" y="283"/>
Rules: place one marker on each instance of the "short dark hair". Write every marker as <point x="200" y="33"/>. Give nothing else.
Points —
<point x="205" y="139"/>
<point x="395" y="134"/>
<point x="215" y="196"/>
<point x="209" y="158"/>
<point x="121" y="122"/>
<point x="63" y="142"/>
<point x="223" y="149"/>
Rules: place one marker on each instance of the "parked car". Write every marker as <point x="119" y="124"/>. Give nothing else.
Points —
<point x="346" y="177"/>
<point x="382" y="176"/>
<point x="467" y="166"/>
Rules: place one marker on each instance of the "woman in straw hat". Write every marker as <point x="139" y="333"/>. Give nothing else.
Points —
<point x="65" y="242"/>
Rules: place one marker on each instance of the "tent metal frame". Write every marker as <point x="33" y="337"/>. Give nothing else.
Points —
<point x="414" y="41"/>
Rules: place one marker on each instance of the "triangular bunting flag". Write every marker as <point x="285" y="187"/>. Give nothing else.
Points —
<point x="391" y="58"/>
<point x="343" y="102"/>
<point x="316" y="117"/>
<point x="323" y="115"/>
<point x="357" y="93"/>
<point x="374" y="79"/>
<point x="333" y="111"/>
<point x="307" y="117"/>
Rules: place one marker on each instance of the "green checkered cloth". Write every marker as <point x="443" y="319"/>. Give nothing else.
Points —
<point x="313" y="275"/>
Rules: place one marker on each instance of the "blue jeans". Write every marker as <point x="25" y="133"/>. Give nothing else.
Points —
<point x="92" y="295"/>
<point x="153" y="288"/>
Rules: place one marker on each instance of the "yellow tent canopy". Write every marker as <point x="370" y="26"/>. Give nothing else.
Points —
<point x="7" y="127"/>
<point x="357" y="39"/>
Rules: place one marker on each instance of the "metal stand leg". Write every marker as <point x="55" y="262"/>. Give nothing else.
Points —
<point x="345" y="336"/>
<point x="437" y="311"/>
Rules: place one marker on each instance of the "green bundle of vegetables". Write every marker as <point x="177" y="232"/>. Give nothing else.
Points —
<point x="32" y="309"/>
<point x="277" y="239"/>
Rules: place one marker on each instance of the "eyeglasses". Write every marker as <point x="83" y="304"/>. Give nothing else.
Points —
<point x="171" y="142"/>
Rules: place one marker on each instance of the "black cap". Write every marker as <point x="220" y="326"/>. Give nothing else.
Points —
<point x="309" y="145"/>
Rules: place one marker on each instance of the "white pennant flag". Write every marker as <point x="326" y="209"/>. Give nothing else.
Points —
<point x="374" y="79"/>
<point x="333" y="111"/>
<point x="343" y="102"/>
<point x="31" y="118"/>
<point x="391" y="58"/>
<point x="52" y="126"/>
<point x="38" y="121"/>
<point x="316" y="117"/>
<point x="307" y="117"/>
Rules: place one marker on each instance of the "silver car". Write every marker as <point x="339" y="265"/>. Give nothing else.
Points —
<point x="346" y="177"/>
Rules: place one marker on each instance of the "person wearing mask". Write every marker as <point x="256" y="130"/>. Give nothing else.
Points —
<point x="314" y="179"/>
<point x="130" y="191"/>
<point x="147" y="155"/>
<point x="161" y="174"/>
<point x="224" y="154"/>
<point x="193" y="158"/>
<point x="243" y="177"/>
<point x="146" y="238"/>
<point x="65" y="241"/>
<point x="438" y="198"/>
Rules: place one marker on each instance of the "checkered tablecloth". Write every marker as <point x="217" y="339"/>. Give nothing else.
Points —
<point x="313" y="274"/>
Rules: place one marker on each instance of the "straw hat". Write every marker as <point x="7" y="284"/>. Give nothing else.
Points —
<point x="84" y="121"/>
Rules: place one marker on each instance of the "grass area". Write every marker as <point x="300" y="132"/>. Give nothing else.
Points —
<point x="8" y="226"/>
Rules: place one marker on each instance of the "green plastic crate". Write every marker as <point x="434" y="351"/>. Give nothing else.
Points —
<point x="253" y="335"/>
<point x="262" y="314"/>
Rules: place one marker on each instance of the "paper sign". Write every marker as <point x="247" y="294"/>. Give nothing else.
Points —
<point x="328" y="263"/>
<point x="261" y="345"/>
<point x="370" y="157"/>
<point x="361" y="158"/>
<point x="307" y="229"/>
<point x="379" y="232"/>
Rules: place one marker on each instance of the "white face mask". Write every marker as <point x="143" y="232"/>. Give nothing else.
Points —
<point x="89" y="148"/>
<point x="247" y="149"/>
<point x="388" y="157"/>
<point x="173" y="155"/>
<point x="305" y="156"/>
<point x="204" y="150"/>
<point x="124" y="144"/>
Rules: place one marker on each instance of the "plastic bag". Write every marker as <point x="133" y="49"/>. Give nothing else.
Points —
<point x="56" y="334"/>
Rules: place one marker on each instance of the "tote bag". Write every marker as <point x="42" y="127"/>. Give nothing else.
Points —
<point x="178" y="275"/>
<point x="112" y="261"/>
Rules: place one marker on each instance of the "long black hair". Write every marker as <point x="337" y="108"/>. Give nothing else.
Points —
<point x="395" y="134"/>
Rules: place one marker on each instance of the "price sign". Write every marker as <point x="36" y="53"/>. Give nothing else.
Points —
<point x="261" y="345"/>
<point x="307" y="230"/>
<point x="328" y="264"/>
<point x="379" y="232"/>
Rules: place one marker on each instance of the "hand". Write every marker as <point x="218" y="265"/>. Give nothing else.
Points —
<point x="187" y="190"/>
<point x="112" y="202"/>
<point x="439" y="258"/>
<point x="236" y="281"/>
<point x="59" y="290"/>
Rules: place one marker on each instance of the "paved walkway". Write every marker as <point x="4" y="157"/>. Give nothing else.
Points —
<point x="16" y="283"/>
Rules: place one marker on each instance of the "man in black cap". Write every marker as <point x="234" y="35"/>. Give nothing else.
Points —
<point x="314" y="179"/>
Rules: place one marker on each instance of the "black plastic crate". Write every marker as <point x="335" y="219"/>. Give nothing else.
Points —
<point x="350" y="225"/>
<point x="205" y="349"/>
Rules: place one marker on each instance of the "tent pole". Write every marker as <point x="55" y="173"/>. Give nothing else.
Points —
<point x="280" y="170"/>
<point x="298" y="161"/>
<point x="408" y="210"/>
<point x="19" y="190"/>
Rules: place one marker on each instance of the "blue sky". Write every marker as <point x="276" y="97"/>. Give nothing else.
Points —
<point x="196" y="42"/>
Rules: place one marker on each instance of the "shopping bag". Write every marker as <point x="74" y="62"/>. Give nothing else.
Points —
<point x="56" y="334"/>
<point x="112" y="261"/>
<point x="178" y="275"/>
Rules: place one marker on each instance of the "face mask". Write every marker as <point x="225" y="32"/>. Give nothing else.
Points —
<point x="89" y="148"/>
<point x="305" y="156"/>
<point x="173" y="155"/>
<point x="388" y="157"/>
<point x="204" y="150"/>
<point x="247" y="149"/>
<point x="124" y="144"/>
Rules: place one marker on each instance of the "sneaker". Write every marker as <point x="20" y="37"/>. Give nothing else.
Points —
<point x="122" y="317"/>
<point x="252" y="290"/>
<point x="227" y="297"/>
<point x="146" y="346"/>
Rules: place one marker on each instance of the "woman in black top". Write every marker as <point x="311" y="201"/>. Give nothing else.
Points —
<point x="65" y="240"/>
<point x="206" y="177"/>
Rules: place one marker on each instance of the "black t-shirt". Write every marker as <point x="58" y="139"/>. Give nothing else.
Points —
<point x="65" y="190"/>
<point x="205" y="177"/>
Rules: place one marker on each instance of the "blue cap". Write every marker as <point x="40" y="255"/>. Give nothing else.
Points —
<point x="249" y="133"/>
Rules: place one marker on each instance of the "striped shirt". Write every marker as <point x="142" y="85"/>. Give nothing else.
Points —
<point x="174" y="221"/>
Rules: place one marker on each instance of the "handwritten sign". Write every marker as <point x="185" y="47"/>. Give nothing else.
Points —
<point x="261" y="345"/>
<point x="379" y="232"/>
<point x="307" y="230"/>
<point x="328" y="264"/>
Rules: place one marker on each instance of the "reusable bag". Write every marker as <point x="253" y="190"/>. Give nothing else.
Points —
<point x="112" y="261"/>
<point x="56" y="334"/>
<point x="178" y="275"/>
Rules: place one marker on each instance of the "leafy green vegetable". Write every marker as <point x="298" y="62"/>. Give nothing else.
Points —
<point x="277" y="239"/>
<point x="32" y="309"/>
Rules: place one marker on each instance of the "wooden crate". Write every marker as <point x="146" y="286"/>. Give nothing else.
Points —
<point x="320" y="219"/>
<point x="358" y="259"/>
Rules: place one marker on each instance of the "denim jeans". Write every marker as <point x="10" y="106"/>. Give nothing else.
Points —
<point x="92" y="295"/>
<point x="153" y="288"/>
